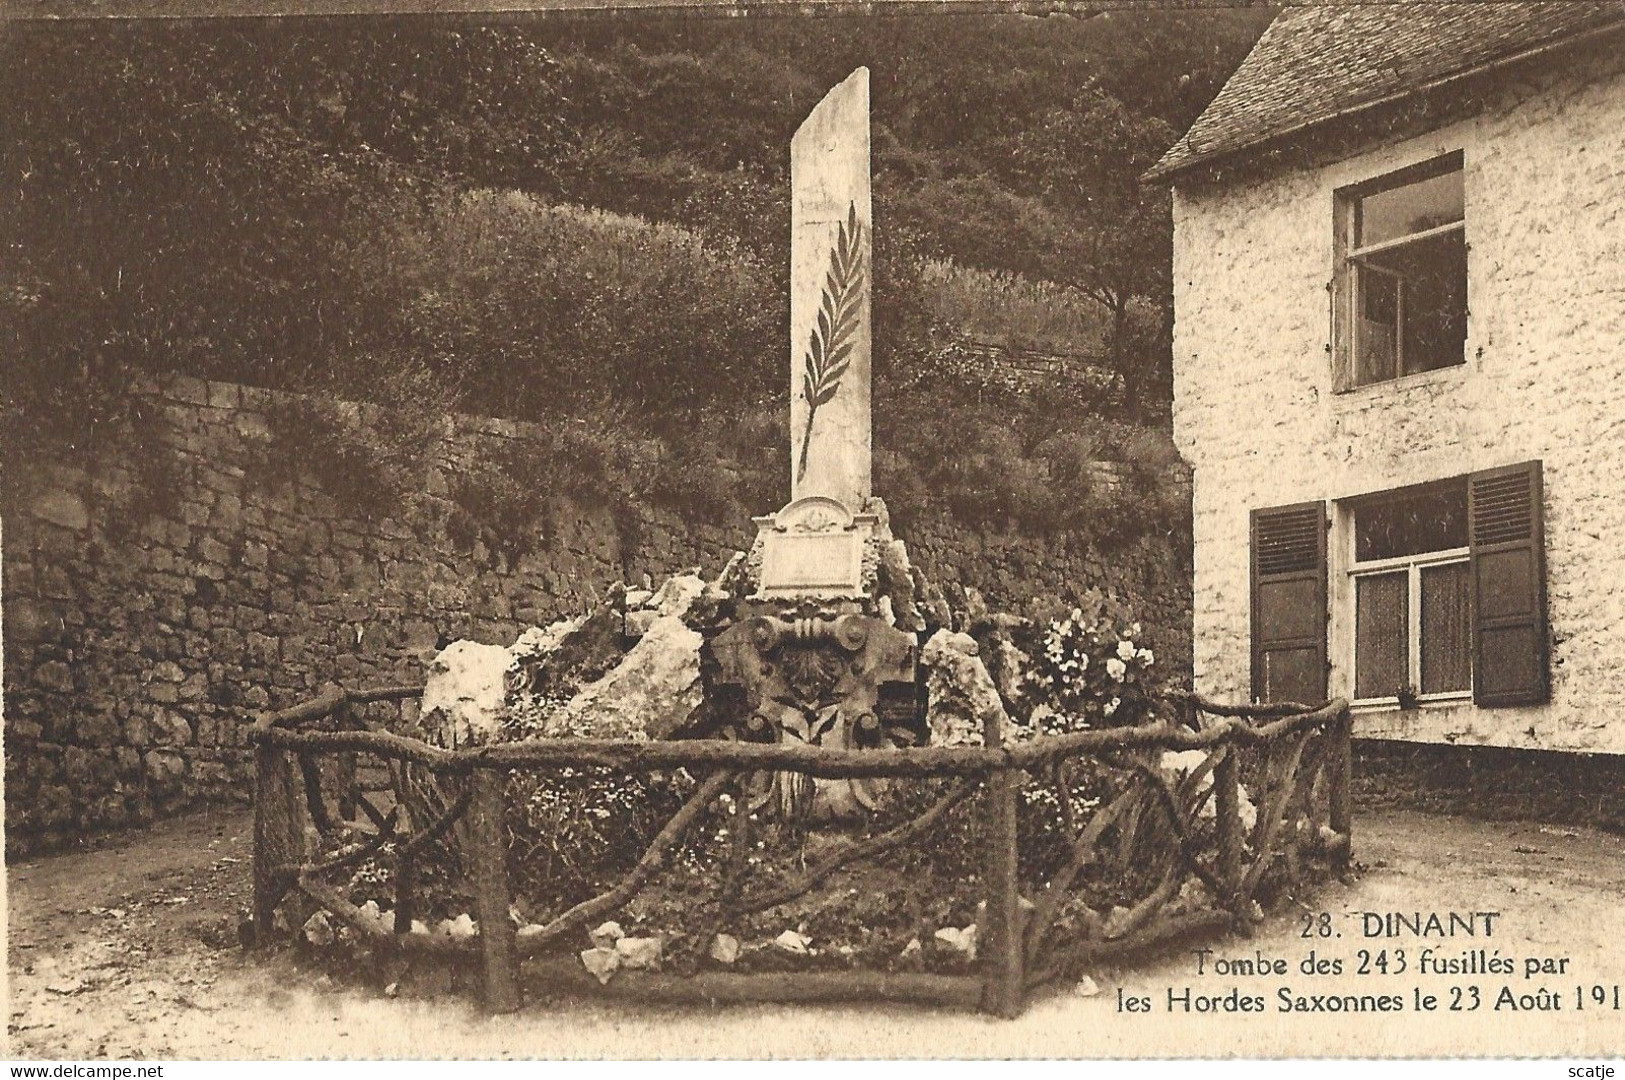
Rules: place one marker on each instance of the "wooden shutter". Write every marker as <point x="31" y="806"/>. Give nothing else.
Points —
<point x="1507" y="542"/>
<point x="1289" y="603"/>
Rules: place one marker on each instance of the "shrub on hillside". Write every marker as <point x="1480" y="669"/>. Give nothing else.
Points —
<point x="980" y="467"/>
<point x="1013" y="311"/>
<point x="542" y="307"/>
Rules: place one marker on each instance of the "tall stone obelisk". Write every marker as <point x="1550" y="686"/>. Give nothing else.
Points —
<point x="831" y="256"/>
<point x="815" y="649"/>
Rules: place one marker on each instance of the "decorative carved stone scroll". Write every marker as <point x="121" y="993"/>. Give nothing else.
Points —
<point x="845" y="681"/>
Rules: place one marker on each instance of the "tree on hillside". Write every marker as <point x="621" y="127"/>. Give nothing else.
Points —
<point x="1084" y="163"/>
<point x="1067" y="207"/>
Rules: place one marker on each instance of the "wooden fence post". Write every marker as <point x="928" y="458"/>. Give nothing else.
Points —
<point x="488" y="858"/>
<point x="406" y="881"/>
<point x="406" y="871"/>
<point x="346" y="787"/>
<point x="999" y="936"/>
<point x="1340" y="778"/>
<point x="279" y="834"/>
<point x="1227" y="799"/>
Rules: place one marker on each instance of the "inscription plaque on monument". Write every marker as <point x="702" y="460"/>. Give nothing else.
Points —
<point x="812" y="563"/>
<point x="813" y="547"/>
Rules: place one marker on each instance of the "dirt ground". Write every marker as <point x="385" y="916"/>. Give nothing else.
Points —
<point x="131" y="952"/>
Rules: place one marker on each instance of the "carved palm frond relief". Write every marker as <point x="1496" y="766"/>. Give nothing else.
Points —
<point x="835" y="333"/>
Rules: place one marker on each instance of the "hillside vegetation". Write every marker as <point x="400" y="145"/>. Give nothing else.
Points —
<point x="589" y="220"/>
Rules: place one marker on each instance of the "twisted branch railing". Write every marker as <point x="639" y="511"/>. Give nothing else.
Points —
<point x="1298" y="771"/>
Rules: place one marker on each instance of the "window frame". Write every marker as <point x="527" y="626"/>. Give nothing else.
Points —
<point x="1347" y="303"/>
<point x="1350" y="568"/>
<point x="1413" y="565"/>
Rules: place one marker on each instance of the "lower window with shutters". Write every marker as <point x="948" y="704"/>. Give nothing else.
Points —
<point x="1411" y="594"/>
<point x="1446" y="598"/>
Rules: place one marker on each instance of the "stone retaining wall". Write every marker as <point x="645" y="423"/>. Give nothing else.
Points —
<point x="1492" y="782"/>
<point x="144" y="628"/>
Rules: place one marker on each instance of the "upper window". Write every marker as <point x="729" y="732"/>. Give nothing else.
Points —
<point x="1402" y="274"/>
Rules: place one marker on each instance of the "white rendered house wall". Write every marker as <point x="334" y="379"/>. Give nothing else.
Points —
<point x="1257" y="415"/>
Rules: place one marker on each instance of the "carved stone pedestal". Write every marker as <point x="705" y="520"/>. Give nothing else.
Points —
<point x="842" y="680"/>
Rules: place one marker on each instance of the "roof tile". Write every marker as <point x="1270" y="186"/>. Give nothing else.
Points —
<point x="1316" y="63"/>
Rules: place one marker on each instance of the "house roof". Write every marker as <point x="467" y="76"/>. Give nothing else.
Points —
<point x="1315" y="64"/>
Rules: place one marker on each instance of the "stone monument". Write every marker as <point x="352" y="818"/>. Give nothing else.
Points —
<point x="831" y="254"/>
<point x="814" y="545"/>
<point x="813" y="635"/>
<point x="825" y="649"/>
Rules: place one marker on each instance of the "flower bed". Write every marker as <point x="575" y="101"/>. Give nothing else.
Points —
<point x="992" y="869"/>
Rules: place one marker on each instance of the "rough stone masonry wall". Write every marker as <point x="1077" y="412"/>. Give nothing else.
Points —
<point x="1256" y="416"/>
<point x="142" y="633"/>
<point x="1491" y="782"/>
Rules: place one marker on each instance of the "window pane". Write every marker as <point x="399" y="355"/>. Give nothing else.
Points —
<point x="1433" y="312"/>
<point x="1432" y="519"/>
<point x="1411" y="208"/>
<point x="1381" y="645"/>
<point x="1377" y="335"/>
<point x="1446" y="629"/>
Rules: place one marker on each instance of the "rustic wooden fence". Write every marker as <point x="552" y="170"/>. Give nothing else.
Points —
<point x="1167" y="828"/>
